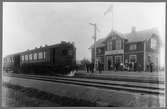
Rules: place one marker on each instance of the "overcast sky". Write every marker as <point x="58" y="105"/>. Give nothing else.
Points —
<point x="29" y="25"/>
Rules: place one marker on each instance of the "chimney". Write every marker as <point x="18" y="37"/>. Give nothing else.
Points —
<point x="133" y="29"/>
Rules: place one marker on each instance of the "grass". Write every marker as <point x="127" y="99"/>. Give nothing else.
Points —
<point x="18" y="96"/>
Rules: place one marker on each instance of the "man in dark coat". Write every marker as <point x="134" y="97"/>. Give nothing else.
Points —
<point x="151" y="67"/>
<point x="87" y="68"/>
<point x="92" y="67"/>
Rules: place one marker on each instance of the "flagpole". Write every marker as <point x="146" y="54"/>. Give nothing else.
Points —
<point x="112" y="20"/>
<point x="110" y="9"/>
<point x="94" y="37"/>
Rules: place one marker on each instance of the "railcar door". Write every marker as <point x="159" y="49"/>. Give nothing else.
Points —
<point x="52" y="56"/>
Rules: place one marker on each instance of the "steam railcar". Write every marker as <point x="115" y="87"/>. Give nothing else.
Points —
<point x="49" y="60"/>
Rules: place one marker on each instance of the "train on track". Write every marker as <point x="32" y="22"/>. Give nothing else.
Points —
<point x="47" y="60"/>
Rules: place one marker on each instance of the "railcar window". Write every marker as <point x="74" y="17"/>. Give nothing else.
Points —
<point x="30" y="56"/>
<point x="35" y="56"/>
<point x="153" y="43"/>
<point x="64" y="52"/>
<point x="70" y="52"/>
<point x="22" y="57"/>
<point x="26" y="57"/>
<point x="12" y="59"/>
<point x="7" y="59"/>
<point x="40" y="55"/>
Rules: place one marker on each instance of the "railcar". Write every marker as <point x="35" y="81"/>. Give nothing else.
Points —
<point x="48" y="60"/>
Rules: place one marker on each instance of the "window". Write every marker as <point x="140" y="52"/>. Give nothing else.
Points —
<point x="6" y="59"/>
<point x="11" y="59"/>
<point x="118" y="59"/>
<point x="153" y="43"/>
<point x="22" y="57"/>
<point x="26" y="57"/>
<point x="110" y="61"/>
<point x="132" y="47"/>
<point x="30" y="56"/>
<point x="98" y="51"/>
<point x="70" y="52"/>
<point x="118" y="44"/>
<point x="64" y="52"/>
<point x="149" y="59"/>
<point x="35" y="56"/>
<point x="40" y="55"/>
<point x="132" y="58"/>
<point x="109" y="45"/>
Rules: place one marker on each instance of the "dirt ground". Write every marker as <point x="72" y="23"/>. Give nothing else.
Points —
<point x="15" y="98"/>
<point x="18" y="96"/>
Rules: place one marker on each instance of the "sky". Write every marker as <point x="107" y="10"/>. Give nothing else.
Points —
<point x="27" y="25"/>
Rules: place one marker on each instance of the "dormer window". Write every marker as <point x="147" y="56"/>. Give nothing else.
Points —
<point x="118" y="44"/>
<point x="99" y="51"/>
<point x="109" y="45"/>
<point x="153" y="43"/>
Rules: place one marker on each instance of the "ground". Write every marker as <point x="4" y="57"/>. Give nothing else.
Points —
<point x="16" y="98"/>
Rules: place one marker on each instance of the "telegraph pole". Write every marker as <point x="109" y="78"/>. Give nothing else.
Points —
<point x="94" y="37"/>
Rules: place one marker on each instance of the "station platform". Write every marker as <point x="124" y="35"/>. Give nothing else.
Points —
<point x="149" y="75"/>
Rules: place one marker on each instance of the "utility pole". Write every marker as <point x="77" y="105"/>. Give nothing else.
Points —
<point x="94" y="37"/>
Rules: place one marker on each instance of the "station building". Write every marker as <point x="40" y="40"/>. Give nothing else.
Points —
<point x="141" y="47"/>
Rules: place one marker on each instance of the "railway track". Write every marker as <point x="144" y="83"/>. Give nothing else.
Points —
<point x="132" y="87"/>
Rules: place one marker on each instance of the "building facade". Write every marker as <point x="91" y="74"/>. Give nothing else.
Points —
<point x="139" y="47"/>
<point x="114" y="51"/>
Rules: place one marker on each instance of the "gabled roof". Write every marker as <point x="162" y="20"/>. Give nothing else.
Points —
<point x="138" y="36"/>
<point x="101" y="42"/>
<point x="116" y="33"/>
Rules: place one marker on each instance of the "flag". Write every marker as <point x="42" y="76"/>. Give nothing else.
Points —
<point x="109" y="9"/>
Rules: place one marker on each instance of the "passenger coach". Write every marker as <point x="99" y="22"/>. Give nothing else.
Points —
<point x="47" y="60"/>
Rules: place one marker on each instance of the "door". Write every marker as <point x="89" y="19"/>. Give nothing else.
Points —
<point x="109" y="62"/>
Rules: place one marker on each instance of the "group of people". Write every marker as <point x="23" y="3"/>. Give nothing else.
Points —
<point x="119" y="66"/>
<point x="90" y="67"/>
<point x="129" y="66"/>
<point x="150" y="67"/>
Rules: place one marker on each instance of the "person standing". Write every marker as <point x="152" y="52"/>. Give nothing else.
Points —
<point x="92" y="67"/>
<point x="151" y="67"/>
<point x="100" y="67"/>
<point x="87" y="68"/>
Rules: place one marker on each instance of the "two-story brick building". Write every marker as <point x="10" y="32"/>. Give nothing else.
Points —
<point x="141" y="47"/>
<point x="114" y="51"/>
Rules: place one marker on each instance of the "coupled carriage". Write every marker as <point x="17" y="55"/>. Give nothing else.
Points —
<point x="48" y="60"/>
